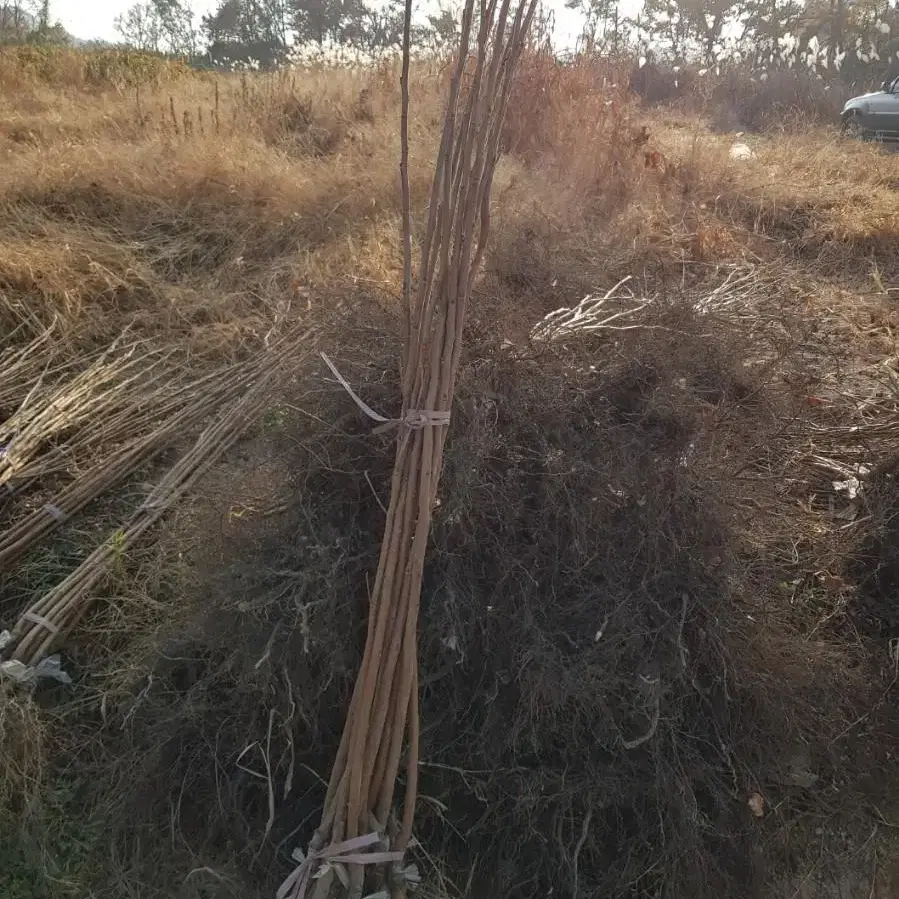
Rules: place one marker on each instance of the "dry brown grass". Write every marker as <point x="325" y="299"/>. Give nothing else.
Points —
<point x="207" y="213"/>
<point x="831" y="200"/>
<point x="203" y="236"/>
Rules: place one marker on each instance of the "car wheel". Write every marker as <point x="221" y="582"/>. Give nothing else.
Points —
<point x="851" y="126"/>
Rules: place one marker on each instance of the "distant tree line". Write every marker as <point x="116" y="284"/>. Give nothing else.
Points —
<point x="266" y="31"/>
<point x="29" y="22"/>
<point x="852" y="38"/>
<point x="849" y="37"/>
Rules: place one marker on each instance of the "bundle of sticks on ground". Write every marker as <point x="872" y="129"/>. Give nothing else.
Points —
<point x="143" y="411"/>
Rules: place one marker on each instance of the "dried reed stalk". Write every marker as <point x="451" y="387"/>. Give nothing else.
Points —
<point x="54" y="615"/>
<point x="22" y="367"/>
<point x="384" y="707"/>
<point x="615" y="310"/>
<point x="19" y="317"/>
<point x="590" y="314"/>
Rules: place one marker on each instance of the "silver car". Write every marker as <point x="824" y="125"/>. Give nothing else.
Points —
<point x="874" y="115"/>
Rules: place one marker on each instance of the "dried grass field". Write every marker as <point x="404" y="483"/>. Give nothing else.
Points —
<point x="659" y="635"/>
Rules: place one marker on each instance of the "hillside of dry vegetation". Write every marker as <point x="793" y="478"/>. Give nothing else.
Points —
<point x="659" y="621"/>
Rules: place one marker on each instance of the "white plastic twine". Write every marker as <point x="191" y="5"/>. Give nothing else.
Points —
<point x="414" y="419"/>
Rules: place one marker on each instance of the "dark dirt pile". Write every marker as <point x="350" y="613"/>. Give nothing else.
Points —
<point x="609" y="673"/>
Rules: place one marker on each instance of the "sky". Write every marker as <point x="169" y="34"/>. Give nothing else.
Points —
<point x="94" y="19"/>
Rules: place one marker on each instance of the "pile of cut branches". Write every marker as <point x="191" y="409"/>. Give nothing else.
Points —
<point x="240" y="394"/>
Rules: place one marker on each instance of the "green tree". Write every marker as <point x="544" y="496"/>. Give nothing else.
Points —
<point x="29" y="21"/>
<point x="670" y="27"/>
<point x="382" y="27"/>
<point x="176" y="23"/>
<point x="159" y="25"/>
<point x="16" y="23"/>
<point x="329" y="21"/>
<point x="766" y="23"/>
<point x="603" y="27"/>
<point x="244" y="30"/>
<point x="443" y="26"/>
<point x="705" y="22"/>
<point x="140" y="27"/>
